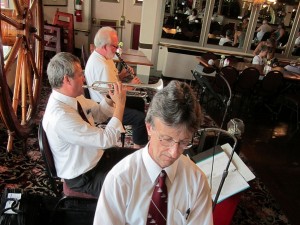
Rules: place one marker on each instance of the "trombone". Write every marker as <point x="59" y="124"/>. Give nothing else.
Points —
<point x="97" y="86"/>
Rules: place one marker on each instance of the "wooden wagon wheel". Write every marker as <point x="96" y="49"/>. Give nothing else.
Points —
<point x="22" y="42"/>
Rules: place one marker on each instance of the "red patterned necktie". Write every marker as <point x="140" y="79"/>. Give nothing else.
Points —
<point x="81" y="113"/>
<point x="159" y="202"/>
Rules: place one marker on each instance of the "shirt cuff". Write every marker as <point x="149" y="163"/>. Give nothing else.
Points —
<point x="117" y="124"/>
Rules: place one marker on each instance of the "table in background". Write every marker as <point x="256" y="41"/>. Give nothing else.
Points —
<point x="240" y="66"/>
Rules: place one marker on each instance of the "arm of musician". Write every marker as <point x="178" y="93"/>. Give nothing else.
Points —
<point x="118" y="96"/>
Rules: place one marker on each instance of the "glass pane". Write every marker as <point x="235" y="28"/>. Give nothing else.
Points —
<point x="182" y="21"/>
<point x="4" y="4"/>
<point x="275" y="21"/>
<point x="296" y="47"/>
<point x="228" y="24"/>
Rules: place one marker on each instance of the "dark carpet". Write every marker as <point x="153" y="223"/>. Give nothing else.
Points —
<point x="27" y="172"/>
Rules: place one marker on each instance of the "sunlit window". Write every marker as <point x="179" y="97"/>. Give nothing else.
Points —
<point x="4" y="3"/>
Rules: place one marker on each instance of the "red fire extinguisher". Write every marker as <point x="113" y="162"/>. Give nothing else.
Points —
<point x="78" y="10"/>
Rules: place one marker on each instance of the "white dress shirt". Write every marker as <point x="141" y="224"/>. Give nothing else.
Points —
<point x="128" y="187"/>
<point x="76" y="145"/>
<point x="98" y="68"/>
<point x="297" y="41"/>
<point x="257" y="60"/>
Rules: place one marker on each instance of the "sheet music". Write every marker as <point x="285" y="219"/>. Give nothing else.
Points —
<point x="238" y="163"/>
<point x="235" y="182"/>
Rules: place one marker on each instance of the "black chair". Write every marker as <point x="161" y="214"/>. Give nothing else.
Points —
<point x="231" y="75"/>
<point x="244" y="87"/>
<point x="268" y="90"/>
<point x="78" y="201"/>
<point x="55" y="181"/>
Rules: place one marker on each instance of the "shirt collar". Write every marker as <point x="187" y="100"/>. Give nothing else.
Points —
<point x="65" y="99"/>
<point x="153" y="169"/>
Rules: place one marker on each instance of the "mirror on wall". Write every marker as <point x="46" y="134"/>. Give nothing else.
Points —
<point x="182" y="20"/>
<point x="275" y="21"/>
<point x="228" y="27"/>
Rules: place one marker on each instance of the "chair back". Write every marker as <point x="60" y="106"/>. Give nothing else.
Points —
<point x="231" y="75"/>
<point x="271" y="83"/>
<point x="247" y="80"/>
<point x="48" y="157"/>
<point x="220" y="86"/>
<point x="46" y="151"/>
<point x="50" y="167"/>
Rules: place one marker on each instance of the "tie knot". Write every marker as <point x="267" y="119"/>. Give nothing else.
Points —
<point x="162" y="178"/>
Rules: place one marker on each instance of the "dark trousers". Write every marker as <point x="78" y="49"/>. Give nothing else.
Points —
<point x="91" y="182"/>
<point x="134" y="115"/>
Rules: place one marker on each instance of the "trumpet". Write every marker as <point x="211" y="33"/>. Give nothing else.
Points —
<point x="97" y="86"/>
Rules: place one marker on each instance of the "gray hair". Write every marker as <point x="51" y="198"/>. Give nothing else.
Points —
<point x="103" y="36"/>
<point x="60" y="65"/>
<point x="176" y="105"/>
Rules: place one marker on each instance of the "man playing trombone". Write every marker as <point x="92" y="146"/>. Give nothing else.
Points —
<point x="76" y="143"/>
<point x="100" y="67"/>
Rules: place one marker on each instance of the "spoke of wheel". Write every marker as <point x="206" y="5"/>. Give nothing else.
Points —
<point x="12" y="22"/>
<point x="25" y="73"/>
<point x="15" y="100"/>
<point x="18" y="7"/>
<point x="13" y="54"/>
<point x="31" y="58"/>
<point x="33" y="4"/>
<point x="29" y="79"/>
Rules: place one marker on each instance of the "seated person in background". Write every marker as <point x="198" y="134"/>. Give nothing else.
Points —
<point x="261" y="58"/>
<point x="191" y="18"/>
<point x="239" y="37"/>
<point x="296" y="50"/>
<point x="245" y="22"/>
<point x="76" y="144"/>
<point x="173" y="117"/>
<point x="279" y="33"/>
<point x="101" y="67"/>
<point x="271" y="43"/>
<point x="188" y="11"/>
<point x="226" y="39"/>
<point x="265" y="27"/>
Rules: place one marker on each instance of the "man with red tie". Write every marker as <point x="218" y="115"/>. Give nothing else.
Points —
<point x="158" y="184"/>
<point x="77" y="145"/>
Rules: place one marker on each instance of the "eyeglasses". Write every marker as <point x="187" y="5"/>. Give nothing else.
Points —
<point x="169" y="142"/>
<point x="115" y="46"/>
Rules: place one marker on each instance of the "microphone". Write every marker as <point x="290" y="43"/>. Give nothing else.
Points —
<point x="225" y="172"/>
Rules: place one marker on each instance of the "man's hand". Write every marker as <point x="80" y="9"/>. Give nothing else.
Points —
<point x="124" y="73"/>
<point x="118" y="94"/>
